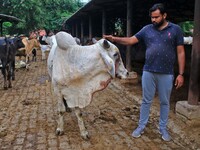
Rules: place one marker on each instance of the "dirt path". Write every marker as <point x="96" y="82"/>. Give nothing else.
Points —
<point x="28" y="118"/>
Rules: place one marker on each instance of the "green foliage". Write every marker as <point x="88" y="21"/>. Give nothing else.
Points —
<point x="119" y="27"/>
<point x="37" y="14"/>
<point x="187" y="27"/>
<point x="6" y="26"/>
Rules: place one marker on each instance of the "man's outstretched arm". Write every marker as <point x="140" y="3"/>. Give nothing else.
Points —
<point x="122" y="40"/>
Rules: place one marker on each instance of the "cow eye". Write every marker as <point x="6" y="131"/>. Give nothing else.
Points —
<point x="115" y="55"/>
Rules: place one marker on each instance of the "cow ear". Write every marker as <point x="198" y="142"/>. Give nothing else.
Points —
<point x="94" y="40"/>
<point x="106" y="45"/>
<point x="109" y="63"/>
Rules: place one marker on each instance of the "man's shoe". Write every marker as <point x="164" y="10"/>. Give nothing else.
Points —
<point x="137" y="132"/>
<point x="165" y="135"/>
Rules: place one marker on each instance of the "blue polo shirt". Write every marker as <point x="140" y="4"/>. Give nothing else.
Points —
<point x="160" y="47"/>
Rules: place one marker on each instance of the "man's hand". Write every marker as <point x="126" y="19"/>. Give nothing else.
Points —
<point x="179" y="81"/>
<point x="109" y="37"/>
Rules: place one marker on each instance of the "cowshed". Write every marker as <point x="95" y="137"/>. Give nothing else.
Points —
<point x="80" y="71"/>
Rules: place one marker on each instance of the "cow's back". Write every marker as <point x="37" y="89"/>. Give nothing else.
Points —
<point x="30" y="44"/>
<point x="65" y="40"/>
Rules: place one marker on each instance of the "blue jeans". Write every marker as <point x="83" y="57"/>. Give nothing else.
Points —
<point x="151" y="82"/>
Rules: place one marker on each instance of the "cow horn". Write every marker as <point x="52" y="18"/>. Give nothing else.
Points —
<point x="106" y="44"/>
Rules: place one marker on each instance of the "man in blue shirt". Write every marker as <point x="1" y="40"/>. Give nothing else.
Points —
<point x="163" y="41"/>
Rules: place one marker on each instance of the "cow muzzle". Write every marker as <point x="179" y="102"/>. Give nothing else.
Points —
<point x="122" y="75"/>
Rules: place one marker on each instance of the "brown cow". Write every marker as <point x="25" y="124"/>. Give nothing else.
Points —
<point x="29" y="46"/>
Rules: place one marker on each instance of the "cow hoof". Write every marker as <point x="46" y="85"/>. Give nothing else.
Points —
<point x="85" y="135"/>
<point x="59" y="132"/>
<point x="67" y="109"/>
<point x="5" y="88"/>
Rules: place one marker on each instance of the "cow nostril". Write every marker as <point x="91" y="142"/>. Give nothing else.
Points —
<point x="127" y="73"/>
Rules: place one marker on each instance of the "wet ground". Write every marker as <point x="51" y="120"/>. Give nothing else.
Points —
<point x="28" y="116"/>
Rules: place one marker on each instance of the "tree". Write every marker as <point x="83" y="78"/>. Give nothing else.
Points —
<point x="37" y="14"/>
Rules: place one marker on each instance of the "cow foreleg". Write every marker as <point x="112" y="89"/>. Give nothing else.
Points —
<point x="81" y="125"/>
<point x="61" y="111"/>
<point x="34" y="52"/>
<point x="27" y="61"/>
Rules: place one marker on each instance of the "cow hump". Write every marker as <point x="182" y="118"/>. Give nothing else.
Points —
<point x="64" y="40"/>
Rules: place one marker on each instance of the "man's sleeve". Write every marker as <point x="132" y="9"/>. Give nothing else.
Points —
<point x="179" y="39"/>
<point x="139" y="35"/>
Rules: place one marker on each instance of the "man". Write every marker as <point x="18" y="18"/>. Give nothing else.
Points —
<point x="163" y="41"/>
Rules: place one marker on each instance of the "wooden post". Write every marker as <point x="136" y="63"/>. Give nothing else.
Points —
<point x="90" y="27"/>
<point x="72" y="29"/>
<point x="77" y="29"/>
<point x="1" y="26"/>
<point x="129" y="33"/>
<point x="82" y="32"/>
<point x="194" y="84"/>
<point x="103" y="22"/>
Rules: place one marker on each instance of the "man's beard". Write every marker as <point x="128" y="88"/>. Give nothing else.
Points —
<point x="159" y="24"/>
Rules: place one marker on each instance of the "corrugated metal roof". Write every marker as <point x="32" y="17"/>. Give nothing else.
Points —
<point x="177" y="9"/>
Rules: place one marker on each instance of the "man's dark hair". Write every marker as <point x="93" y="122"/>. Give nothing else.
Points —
<point x="158" y="6"/>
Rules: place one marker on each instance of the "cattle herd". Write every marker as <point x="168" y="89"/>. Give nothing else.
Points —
<point x="76" y="72"/>
<point x="10" y="47"/>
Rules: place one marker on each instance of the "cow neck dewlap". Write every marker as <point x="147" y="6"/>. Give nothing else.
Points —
<point x="80" y="94"/>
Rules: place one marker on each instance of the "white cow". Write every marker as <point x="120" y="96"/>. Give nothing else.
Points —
<point x="51" y="40"/>
<point x="45" y="46"/>
<point x="80" y="71"/>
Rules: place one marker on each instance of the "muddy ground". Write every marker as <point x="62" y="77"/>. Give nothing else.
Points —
<point x="28" y="116"/>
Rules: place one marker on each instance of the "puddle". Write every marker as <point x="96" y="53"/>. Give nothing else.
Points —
<point x="43" y="79"/>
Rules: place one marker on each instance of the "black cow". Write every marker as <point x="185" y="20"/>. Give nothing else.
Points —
<point x="8" y="48"/>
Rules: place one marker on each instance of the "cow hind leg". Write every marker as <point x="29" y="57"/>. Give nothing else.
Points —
<point x="84" y="133"/>
<point x="67" y="109"/>
<point x="13" y="70"/>
<point x="5" y="84"/>
<point x="43" y="55"/>
<point x="9" y="76"/>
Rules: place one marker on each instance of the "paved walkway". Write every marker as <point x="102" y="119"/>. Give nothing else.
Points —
<point x="28" y="118"/>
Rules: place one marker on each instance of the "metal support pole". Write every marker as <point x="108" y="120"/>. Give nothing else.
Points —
<point x="103" y="22"/>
